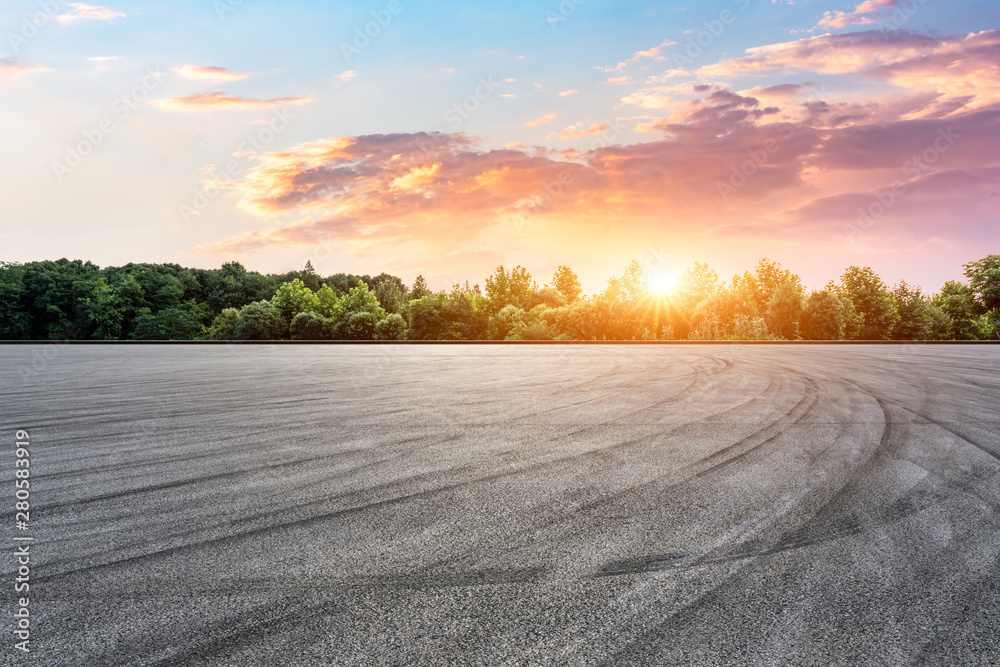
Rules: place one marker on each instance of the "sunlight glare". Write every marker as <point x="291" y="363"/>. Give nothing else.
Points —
<point x="662" y="283"/>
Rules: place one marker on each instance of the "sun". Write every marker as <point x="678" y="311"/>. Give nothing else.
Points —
<point x="662" y="283"/>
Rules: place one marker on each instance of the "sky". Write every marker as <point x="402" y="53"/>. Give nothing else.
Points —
<point x="445" y="139"/>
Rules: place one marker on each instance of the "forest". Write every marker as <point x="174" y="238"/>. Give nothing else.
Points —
<point x="76" y="300"/>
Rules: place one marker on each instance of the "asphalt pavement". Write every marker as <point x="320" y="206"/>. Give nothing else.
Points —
<point x="504" y="505"/>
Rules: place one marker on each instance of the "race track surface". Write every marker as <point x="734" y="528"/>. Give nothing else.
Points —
<point x="506" y="505"/>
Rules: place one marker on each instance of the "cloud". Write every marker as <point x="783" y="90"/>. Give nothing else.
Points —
<point x="82" y="12"/>
<point x="801" y="166"/>
<point x="572" y="132"/>
<point x="860" y="16"/>
<point x="101" y="62"/>
<point x="567" y="93"/>
<point x="17" y="66"/>
<point x="619" y="80"/>
<point x="542" y="120"/>
<point x="348" y="75"/>
<point x="214" y="74"/>
<point x="655" y="53"/>
<point x="948" y="73"/>
<point x="219" y="100"/>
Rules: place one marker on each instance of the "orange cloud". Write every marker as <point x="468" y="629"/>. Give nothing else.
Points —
<point x="215" y="74"/>
<point x="542" y="120"/>
<point x="572" y="133"/>
<point x="655" y="53"/>
<point x="16" y="66"/>
<point x="726" y="165"/>
<point x="83" y="12"/>
<point x="567" y="93"/>
<point x="218" y="100"/>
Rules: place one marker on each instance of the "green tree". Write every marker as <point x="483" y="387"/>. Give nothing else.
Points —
<point x="102" y="311"/>
<point x="392" y="327"/>
<point x="260" y="320"/>
<point x="984" y="281"/>
<point x="503" y="322"/>
<point x="359" y="325"/>
<point x="308" y="326"/>
<point x="958" y="302"/>
<point x="419" y="290"/>
<point x="293" y="298"/>
<point x="391" y="295"/>
<point x="784" y="310"/>
<point x="567" y="283"/>
<point x="174" y="323"/>
<point x="916" y="321"/>
<point x="224" y="325"/>
<point x="326" y="301"/>
<point x="824" y="316"/>
<point x="511" y="288"/>
<point x="873" y="300"/>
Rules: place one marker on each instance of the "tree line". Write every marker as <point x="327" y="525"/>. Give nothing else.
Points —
<point x="60" y="300"/>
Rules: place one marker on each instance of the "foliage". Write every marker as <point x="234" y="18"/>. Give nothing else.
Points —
<point x="873" y="300"/>
<point x="958" y="303"/>
<point x="512" y="288"/>
<point x="784" y="309"/>
<point x="567" y="283"/>
<point x="260" y="320"/>
<point x="223" y="325"/>
<point x="419" y="290"/>
<point x="308" y="326"/>
<point x="392" y="327"/>
<point x="174" y="323"/>
<point x="916" y="319"/>
<point x="392" y="295"/>
<point x="293" y="298"/>
<point x="824" y="316"/>
<point x="984" y="282"/>
<point x="76" y="299"/>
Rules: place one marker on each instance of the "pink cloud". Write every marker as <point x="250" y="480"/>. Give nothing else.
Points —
<point x="83" y="12"/>
<point x="860" y="16"/>
<point x="16" y="66"/>
<point x="948" y="73"/>
<point x="215" y="74"/>
<point x="809" y="160"/>
<point x="218" y="100"/>
<point x="654" y="53"/>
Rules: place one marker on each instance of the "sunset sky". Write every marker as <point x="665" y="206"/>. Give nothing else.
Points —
<point x="454" y="137"/>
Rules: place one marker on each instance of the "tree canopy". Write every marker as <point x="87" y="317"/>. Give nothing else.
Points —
<point x="67" y="299"/>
